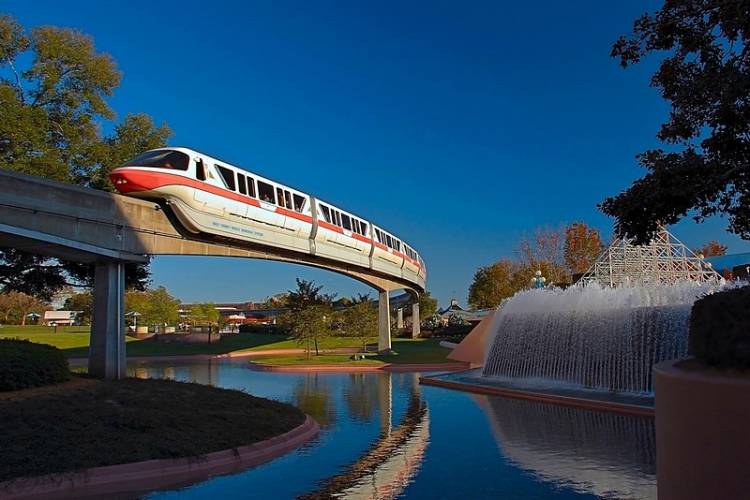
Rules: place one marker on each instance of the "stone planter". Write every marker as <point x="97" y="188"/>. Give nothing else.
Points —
<point x="702" y="433"/>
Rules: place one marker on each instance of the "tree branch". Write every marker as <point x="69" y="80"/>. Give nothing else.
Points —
<point x="18" y="78"/>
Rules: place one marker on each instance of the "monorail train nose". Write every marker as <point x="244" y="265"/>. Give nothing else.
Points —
<point x="128" y="180"/>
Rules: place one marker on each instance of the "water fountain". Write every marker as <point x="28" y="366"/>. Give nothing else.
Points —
<point x="591" y="337"/>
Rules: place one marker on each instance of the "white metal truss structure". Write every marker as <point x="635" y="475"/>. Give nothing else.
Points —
<point x="665" y="260"/>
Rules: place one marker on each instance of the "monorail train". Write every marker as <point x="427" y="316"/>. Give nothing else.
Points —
<point x="211" y="196"/>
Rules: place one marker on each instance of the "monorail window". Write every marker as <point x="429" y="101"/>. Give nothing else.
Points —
<point x="299" y="203"/>
<point x="388" y="240"/>
<point x="364" y="228"/>
<point x="250" y="187"/>
<point x="326" y="213"/>
<point x="378" y="236"/>
<point x="265" y="192"/>
<point x="355" y="223"/>
<point x="165" y="158"/>
<point x="227" y="176"/>
<point x="288" y="198"/>
<point x="200" y="170"/>
<point x="241" y="184"/>
<point x="346" y="222"/>
<point x="338" y="217"/>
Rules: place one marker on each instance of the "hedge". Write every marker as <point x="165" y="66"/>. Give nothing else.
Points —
<point x="720" y="329"/>
<point x="24" y="364"/>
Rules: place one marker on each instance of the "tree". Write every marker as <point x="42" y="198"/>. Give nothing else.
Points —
<point x="545" y="252"/>
<point x="307" y="294"/>
<point x="428" y="305"/>
<point x="494" y="283"/>
<point x="583" y="245"/>
<point x="16" y="306"/>
<point x="308" y="325"/>
<point x="51" y="116"/>
<point x="204" y="313"/>
<point x="81" y="302"/>
<point x="704" y="76"/>
<point x="712" y="249"/>
<point x="155" y="306"/>
<point x="361" y="320"/>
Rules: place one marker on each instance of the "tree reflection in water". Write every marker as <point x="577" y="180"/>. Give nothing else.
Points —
<point x="312" y="395"/>
<point x="361" y="396"/>
<point x="607" y="454"/>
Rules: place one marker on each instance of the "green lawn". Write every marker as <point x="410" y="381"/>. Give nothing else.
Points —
<point x="74" y="342"/>
<point x="405" y="351"/>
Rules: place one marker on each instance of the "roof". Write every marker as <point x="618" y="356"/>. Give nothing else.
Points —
<point x="721" y="262"/>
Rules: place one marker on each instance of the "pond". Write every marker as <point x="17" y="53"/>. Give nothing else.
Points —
<point x="385" y="436"/>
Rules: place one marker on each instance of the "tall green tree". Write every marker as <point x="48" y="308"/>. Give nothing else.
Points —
<point x="204" y="314"/>
<point x="428" y="305"/>
<point x="310" y="324"/>
<point x="307" y="294"/>
<point x="83" y="303"/>
<point x="54" y="87"/>
<point x="155" y="306"/>
<point x="360" y="320"/>
<point x="704" y="74"/>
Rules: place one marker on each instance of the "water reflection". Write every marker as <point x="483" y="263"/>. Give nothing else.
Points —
<point x="391" y="462"/>
<point x="206" y="373"/>
<point x="607" y="454"/>
<point x="314" y="395"/>
<point x="385" y="436"/>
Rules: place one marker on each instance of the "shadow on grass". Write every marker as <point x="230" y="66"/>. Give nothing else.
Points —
<point x="151" y="347"/>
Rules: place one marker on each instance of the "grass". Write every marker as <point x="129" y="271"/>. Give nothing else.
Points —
<point x="405" y="351"/>
<point x="113" y="422"/>
<point x="74" y="342"/>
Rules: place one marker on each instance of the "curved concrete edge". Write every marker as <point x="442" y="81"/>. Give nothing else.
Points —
<point x="157" y="474"/>
<point x="587" y="404"/>
<point x="701" y="432"/>
<point x="391" y="367"/>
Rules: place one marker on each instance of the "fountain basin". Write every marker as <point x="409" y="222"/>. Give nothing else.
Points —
<point x="702" y="435"/>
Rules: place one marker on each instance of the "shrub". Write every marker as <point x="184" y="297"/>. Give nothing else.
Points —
<point x="720" y="329"/>
<point x="255" y="328"/>
<point x="25" y="364"/>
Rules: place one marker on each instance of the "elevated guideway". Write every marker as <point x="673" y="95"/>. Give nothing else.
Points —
<point x="110" y="230"/>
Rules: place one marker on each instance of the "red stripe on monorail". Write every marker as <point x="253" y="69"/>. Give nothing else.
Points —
<point x="148" y="180"/>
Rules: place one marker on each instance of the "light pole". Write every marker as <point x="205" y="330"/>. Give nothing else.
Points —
<point x="538" y="280"/>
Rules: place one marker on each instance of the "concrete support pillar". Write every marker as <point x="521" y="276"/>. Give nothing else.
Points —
<point x="400" y="318"/>
<point x="415" y="323"/>
<point x="384" y="323"/>
<point x="107" y="347"/>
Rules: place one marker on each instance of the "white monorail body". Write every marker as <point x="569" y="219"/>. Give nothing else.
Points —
<point x="211" y="196"/>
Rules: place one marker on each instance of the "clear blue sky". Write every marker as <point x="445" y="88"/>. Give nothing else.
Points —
<point x="457" y="125"/>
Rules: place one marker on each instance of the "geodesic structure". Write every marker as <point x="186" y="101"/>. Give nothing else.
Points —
<point x="665" y="260"/>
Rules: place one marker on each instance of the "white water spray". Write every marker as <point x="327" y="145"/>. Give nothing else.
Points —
<point x="592" y="337"/>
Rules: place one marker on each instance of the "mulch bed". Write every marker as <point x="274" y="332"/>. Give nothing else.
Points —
<point x="113" y="422"/>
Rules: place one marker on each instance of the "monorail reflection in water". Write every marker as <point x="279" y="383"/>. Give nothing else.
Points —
<point x="384" y="436"/>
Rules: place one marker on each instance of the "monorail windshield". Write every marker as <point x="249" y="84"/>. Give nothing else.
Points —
<point x="164" y="158"/>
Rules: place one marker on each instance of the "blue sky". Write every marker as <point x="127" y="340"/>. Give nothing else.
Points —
<point x="459" y="126"/>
